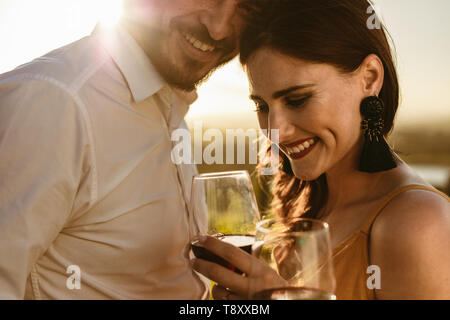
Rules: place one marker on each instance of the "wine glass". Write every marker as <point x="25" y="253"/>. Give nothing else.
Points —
<point x="224" y="205"/>
<point x="299" y="250"/>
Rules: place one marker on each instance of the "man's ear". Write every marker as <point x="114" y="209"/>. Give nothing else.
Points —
<point x="372" y="75"/>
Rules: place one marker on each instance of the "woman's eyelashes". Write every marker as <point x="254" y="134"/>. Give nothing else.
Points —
<point x="261" y="107"/>
<point x="296" y="102"/>
<point x="260" y="104"/>
<point x="290" y="102"/>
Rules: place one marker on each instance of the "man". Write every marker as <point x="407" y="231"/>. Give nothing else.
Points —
<point x="91" y="205"/>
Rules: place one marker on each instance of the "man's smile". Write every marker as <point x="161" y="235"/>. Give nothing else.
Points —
<point x="198" y="44"/>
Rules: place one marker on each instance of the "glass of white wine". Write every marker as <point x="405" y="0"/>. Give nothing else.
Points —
<point x="224" y="206"/>
<point x="299" y="250"/>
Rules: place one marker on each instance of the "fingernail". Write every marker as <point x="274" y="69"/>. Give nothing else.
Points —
<point x="201" y="239"/>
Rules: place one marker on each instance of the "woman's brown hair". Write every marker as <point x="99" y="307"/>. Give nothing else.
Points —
<point x="336" y="32"/>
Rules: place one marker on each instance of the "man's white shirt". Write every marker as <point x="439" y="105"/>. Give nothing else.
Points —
<point x="86" y="177"/>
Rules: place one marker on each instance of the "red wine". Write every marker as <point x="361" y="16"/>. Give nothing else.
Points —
<point x="294" y="293"/>
<point x="244" y="242"/>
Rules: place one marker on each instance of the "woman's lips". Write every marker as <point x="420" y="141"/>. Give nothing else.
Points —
<point x="296" y="143"/>
<point x="300" y="148"/>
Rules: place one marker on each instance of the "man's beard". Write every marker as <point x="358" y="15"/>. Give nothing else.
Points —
<point x="184" y="74"/>
<point x="185" y="78"/>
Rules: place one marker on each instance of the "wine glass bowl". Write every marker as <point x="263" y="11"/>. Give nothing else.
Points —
<point x="224" y="205"/>
<point x="299" y="250"/>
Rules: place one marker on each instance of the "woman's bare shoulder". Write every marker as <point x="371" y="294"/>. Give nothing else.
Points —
<point x="425" y="204"/>
<point x="409" y="241"/>
<point x="414" y="207"/>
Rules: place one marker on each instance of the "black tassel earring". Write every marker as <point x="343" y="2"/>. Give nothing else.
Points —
<point x="376" y="155"/>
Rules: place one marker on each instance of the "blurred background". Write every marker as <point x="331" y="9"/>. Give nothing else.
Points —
<point x="419" y="28"/>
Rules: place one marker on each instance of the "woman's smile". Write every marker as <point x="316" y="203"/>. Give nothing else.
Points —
<point x="301" y="148"/>
<point x="314" y="106"/>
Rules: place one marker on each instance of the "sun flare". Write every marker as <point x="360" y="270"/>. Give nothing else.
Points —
<point x="109" y="11"/>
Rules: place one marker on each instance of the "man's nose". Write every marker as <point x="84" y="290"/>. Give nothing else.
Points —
<point x="285" y="129"/>
<point x="219" y="19"/>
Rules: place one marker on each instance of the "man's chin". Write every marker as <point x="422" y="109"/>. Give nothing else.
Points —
<point x="187" y="79"/>
<point x="187" y="74"/>
<point x="181" y="81"/>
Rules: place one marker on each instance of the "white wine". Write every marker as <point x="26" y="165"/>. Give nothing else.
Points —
<point x="293" y="293"/>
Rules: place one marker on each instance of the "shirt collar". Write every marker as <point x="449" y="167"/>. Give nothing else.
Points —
<point x="141" y="76"/>
<point x="177" y="104"/>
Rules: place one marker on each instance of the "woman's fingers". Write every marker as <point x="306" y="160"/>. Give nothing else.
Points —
<point x="227" y="278"/>
<point x="221" y="293"/>
<point x="258" y="275"/>
<point x="234" y="255"/>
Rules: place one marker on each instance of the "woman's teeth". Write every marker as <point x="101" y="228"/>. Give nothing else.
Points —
<point x="198" y="44"/>
<point x="302" y="147"/>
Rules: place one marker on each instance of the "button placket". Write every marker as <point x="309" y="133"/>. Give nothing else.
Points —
<point x="169" y="99"/>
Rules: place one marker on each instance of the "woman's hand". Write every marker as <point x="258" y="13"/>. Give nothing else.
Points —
<point x="258" y="275"/>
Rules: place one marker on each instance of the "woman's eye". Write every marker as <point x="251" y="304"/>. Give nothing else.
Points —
<point x="295" y="103"/>
<point x="261" y="108"/>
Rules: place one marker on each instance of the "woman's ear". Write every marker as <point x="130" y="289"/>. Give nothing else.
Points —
<point x="372" y="75"/>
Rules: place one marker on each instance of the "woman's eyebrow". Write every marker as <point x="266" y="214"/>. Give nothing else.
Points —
<point x="284" y="92"/>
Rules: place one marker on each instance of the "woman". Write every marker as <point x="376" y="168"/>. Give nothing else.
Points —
<point x="325" y="78"/>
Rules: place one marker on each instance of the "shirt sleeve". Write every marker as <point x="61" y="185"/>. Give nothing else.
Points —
<point x="43" y="158"/>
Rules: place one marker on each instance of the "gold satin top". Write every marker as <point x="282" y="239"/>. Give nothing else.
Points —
<point x="351" y="257"/>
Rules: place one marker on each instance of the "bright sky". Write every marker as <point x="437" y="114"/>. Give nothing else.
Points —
<point x="420" y="28"/>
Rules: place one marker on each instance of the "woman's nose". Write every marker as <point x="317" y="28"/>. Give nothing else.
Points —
<point x="280" y="122"/>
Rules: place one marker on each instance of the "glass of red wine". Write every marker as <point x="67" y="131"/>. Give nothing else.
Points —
<point x="224" y="206"/>
<point x="299" y="250"/>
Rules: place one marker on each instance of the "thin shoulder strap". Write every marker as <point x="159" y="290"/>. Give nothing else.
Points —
<point x="366" y="227"/>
